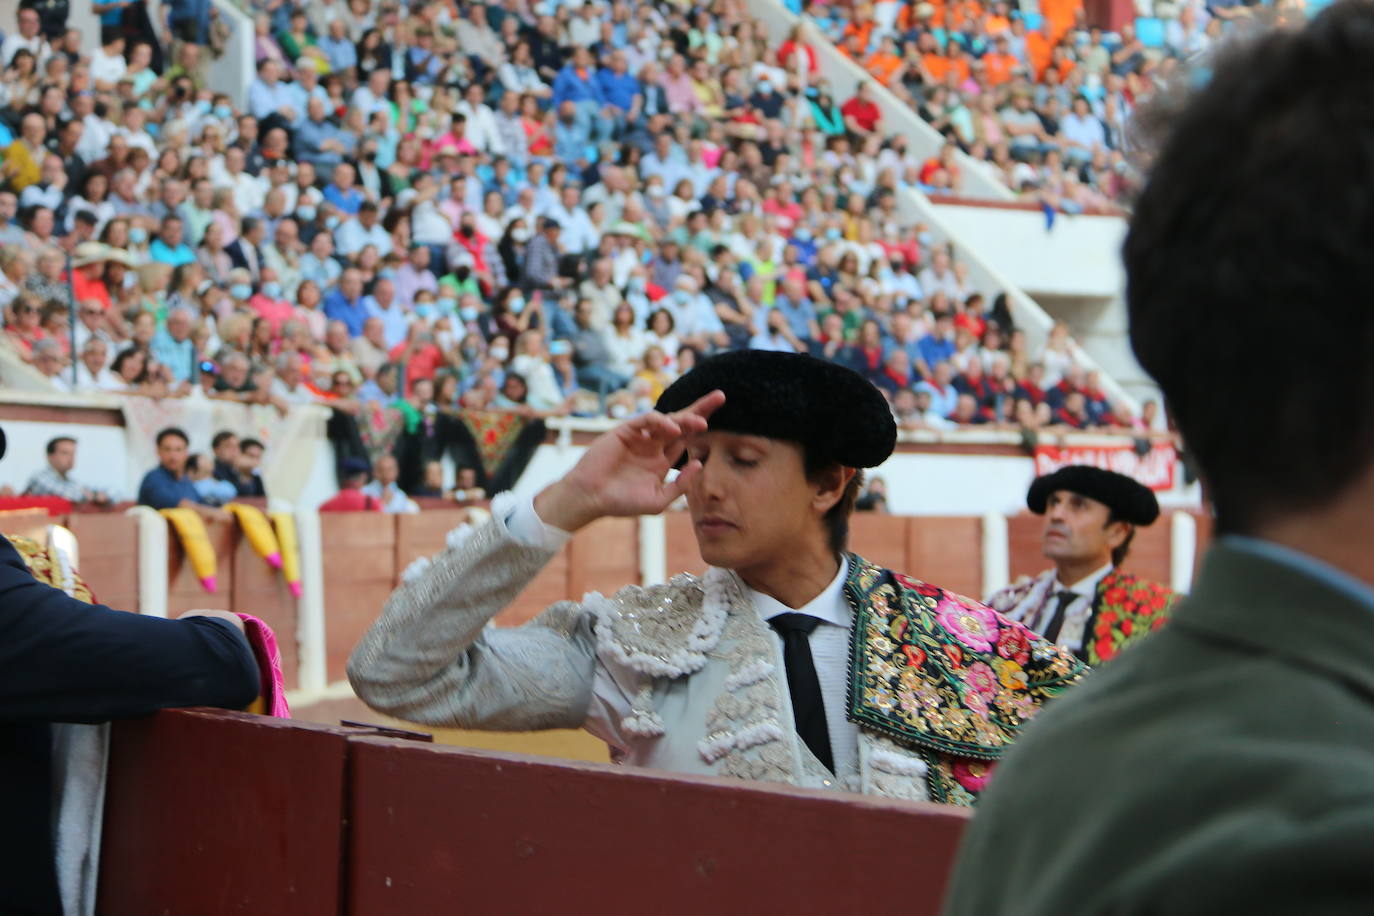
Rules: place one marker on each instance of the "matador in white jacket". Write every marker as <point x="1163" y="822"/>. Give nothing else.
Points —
<point x="789" y="660"/>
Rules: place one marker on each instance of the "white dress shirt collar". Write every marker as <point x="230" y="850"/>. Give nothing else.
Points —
<point x="829" y="606"/>
<point x="1087" y="586"/>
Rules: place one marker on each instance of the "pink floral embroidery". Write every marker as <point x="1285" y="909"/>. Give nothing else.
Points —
<point x="981" y="680"/>
<point x="972" y="625"/>
<point x="972" y="774"/>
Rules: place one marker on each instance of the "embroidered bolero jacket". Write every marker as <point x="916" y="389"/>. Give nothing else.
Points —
<point x="686" y="676"/>
<point x="1125" y="609"/>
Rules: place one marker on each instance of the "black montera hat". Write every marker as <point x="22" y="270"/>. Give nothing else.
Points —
<point x="1129" y="500"/>
<point x="834" y="412"/>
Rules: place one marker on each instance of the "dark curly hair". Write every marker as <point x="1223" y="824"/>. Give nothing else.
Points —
<point x="1250" y="241"/>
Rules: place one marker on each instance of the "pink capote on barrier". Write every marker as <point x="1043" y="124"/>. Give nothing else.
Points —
<point x="272" y="687"/>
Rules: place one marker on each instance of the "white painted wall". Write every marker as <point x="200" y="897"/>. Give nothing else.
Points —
<point x="235" y="69"/>
<point x="100" y="456"/>
<point x="1078" y="256"/>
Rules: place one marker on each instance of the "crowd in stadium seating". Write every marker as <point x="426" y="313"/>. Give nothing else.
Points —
<point x="1040" y="101"/>
<point x="551" y="210"/>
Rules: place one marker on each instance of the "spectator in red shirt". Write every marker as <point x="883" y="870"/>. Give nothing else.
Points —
<point x="1070" y="384"/>
<point x="861" y="113"/>
<point x="1074" y="413"/>
<point x="794" y="45"/>
<point x="782" y="205"/>
<point x="88" y="272"/>
<point x="974" y="382"/>
<point x="967" y="412"/>
<point x="420" y="354"/>
<point x="971" y="318"/>
<point x="1030" y="387"/>
<point x="351" y="497"/>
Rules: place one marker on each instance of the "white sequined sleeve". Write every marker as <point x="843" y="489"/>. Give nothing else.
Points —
<point x="431" y="659"/>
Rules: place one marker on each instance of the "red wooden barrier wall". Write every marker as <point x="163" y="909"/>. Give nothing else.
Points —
<point x="438" y="830"/>
<point x="359" y="573"/>
<point x="109" y="556"/>
<point x="213" y="813"/>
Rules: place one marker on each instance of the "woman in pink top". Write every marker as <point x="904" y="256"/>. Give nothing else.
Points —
<point x="271" y="302"/>
<point x="308" y="309"/>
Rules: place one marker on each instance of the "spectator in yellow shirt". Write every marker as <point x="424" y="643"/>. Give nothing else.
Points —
<point x="24" y="156"/>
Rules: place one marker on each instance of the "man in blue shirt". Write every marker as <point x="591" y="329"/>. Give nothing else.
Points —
<point x="318" y="141"/>
<point x="341" y="192"/>
<point x="944" y="397"/>
<point x="190" y="20"/>
<point x="337" y="46"/>
<point x="267" y="96"/>
<point x="794" y="305"/>
<point x="172" y="345"/>
<point x="167" y="486"/>
<point x="577" y="83"/>
<point x="667" y="161"/>
<point x="382" y="304"/>
<point x="572" y="137"/>
<point x="303" y="88"/>
<point x="939" y="346"/>
<point x="356" y="234"/>
<point x="169" y="248"/>
<point x="620" y="90"/>
<point x="345" y="303"/>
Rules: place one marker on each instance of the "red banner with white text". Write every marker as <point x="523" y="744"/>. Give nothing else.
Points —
<point x="1155" y="469"/>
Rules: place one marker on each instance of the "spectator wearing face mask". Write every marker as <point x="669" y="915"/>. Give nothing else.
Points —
<point x="271" y="303"/>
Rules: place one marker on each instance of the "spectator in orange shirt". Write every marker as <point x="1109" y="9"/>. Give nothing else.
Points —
<point x="853" y="47"/>
<point x="947" y="160"/>
<point x="958" y="64"/>
<point x="1000" y="62"/>
<point x="915" y="16"/>
<point x="1062" y="59"/>
<point x="1059" y="16"/>
<point x="1040" y="49"/>
<point x="933" y="60"/>
<point x="860" y="29"/>
<point x="963" y="15"/>
<point x="998" y="21"/>
<point x="885" y="64"/>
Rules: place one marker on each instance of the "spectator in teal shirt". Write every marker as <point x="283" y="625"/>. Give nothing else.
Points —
<point x="169" y="247"/>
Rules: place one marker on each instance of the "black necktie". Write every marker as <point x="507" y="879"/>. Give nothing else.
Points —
<point x="802" y="683"/>
<point x="1057" y="621"/>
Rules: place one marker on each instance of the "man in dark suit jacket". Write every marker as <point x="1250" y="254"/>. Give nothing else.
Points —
<point x="62" y="660"/>
<point x="246" y="250"/>
<point x="1226" y="764"/>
